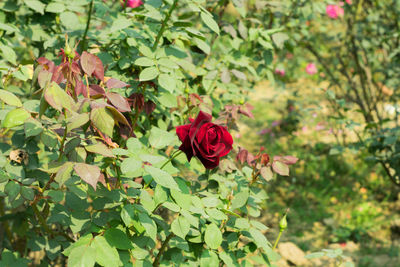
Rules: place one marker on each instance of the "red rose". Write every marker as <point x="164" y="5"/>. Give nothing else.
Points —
<point x="205" y="140"/>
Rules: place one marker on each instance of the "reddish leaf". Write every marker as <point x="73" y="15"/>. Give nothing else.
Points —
<point x="80" y="88"/>
<point x="114" y="83"/>
<point x="137" y="101"/>
<point x="250" y="159"/>
<point x="88" y="63"/>
<point x="242" y="155"/>
<point x="99" y="69"/>
<point x="119" y="102"/>
<point x="289" y="160"/>
<point x="96" y="90"/>
<point x="58" y="76"/>
<point x="149" y="107"/>
<point x="280" y="168"/>
<point x="246" y="110"/>
<point x="75" y="67"/>
<point x="89" y="173"/>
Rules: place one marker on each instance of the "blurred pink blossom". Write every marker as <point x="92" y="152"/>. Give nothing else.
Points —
<point x="319" y="126"/>
<point x="314" y="115"/>
<point x="275" y="123"/>
<point x="280" y="72"/>
<point x="133" y="3"/>
<point x="349" y="2"/>
<point x="334" y="11"/>
<point x="304" y="129"/>
<point x="237" y="135"/>
<point x="311" y="68"/>
<point x="264" y="131"/>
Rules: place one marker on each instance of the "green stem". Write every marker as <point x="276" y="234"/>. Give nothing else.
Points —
<point x="84" y="41"/>
<point x="277" y="239"/>
<point x="63" y="140"/>
<point x="165" y="164"/>
<point x="164" y="24"/>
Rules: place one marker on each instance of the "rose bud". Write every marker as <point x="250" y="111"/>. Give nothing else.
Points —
<point x="205" y="140"/>
<point x="264" y="159"/>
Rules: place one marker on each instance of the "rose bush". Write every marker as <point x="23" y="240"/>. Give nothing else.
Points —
<point x="88" y="172"/>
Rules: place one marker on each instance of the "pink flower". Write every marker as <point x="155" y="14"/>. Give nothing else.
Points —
<point x="133" y="3"/>
<point x="311" y="68"/>
<point x="334" y="11"/>
<point x="275" y="123"/>
<point x="319" y="126"/>
<point x="280" y="72"/>
<point x="349" y="2"/>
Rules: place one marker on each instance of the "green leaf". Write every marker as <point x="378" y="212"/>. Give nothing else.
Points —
<point x="180" y="227"/>
<point x="82" y="241"/>
<point x="162" y="177"/>
<point x="120" y="24"/>
<point x="103" y="119"/>
<point x="27" y="193"/>
<point x="32" y="127"/>
<point x="77" y="121"/>
<point x="144" y="62"/>
<point x="167" y="82"/>
<point x="55" y="7"/>
<point x="118" y="239"/>
<point x="10" y="99"/>
<point x="15" y="117"/>
<point x="8" y="54"/>
<point x="58" y="98"/>
<point x="101" y="149"/>
<point x="159" y="138"/>
<point x="213" y="236"/>
<point x="259" y="239"/>
<point x="128" y="214"/>
<point x="168" y="100"/>
<point x="130" y="165"/>
<point x="280" y="168"/>
<point x="64" y="173"/>
<point x="148" y="74"/>
<point x="209" y="258"/>
<point x="69" y="20"/>
<point x="240" y="199"/>
<point x="210" y="22"/>
<point x="106" y="255"/>
<point x="149" y="225"/>
<point x="35" y="5"/>
<point x="82" y="256"/>
<point x="266" y="173"/>
<point x="89" y="173"/>
<point x="12" y="190"/>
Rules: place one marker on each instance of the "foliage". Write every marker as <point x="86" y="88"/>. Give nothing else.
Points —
<point x="87" y="169"/>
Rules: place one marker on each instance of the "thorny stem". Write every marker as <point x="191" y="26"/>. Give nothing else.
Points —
<point x="165" y="163"/>
<point x="164" y="24"/>
<point x="161" y="251"/>
<point x="84" y="41"/>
